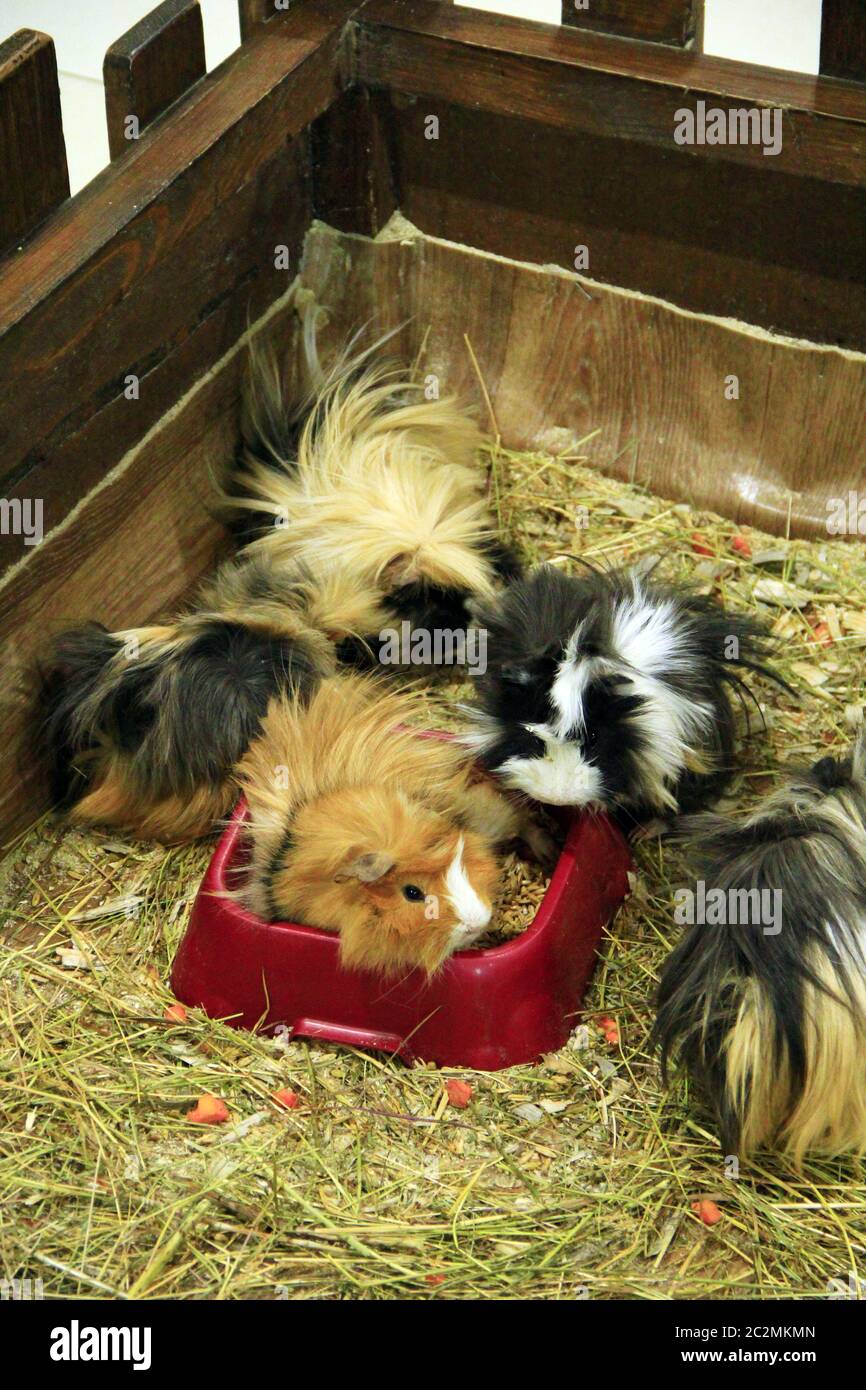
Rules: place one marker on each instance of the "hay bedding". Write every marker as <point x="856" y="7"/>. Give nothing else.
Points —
<point x="570" y="1179"/>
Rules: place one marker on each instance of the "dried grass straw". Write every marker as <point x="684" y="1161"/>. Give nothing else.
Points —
<point x="573" y="1176"/>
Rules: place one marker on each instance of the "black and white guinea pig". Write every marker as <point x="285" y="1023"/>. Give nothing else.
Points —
<point x="611" y="690"/>
<point x="763" y="1002"/>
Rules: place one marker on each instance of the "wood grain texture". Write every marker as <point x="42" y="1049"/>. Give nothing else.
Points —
<point x="552" y="140"/>
<point x="150" y="67"/>
<point x="843" y="39"/>
<point x="253" y="14"/>
<point x="662" y="21"/>
<point x="151" y="266"/>
<point x="352" y="155"/>
<point x="650" y="377"/>
<point x="581" y="82"/>
<point x="229" y="276"/>
<point x="33" y="174"/>
<point x="786" y="253"/>
<point x="132" y="551"/>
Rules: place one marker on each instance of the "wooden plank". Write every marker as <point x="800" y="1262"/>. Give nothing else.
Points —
<point x="843" y="39"/>
<point x="353" y="162"/>
<point x="550" y="141"/>
<point x="582" y="82"/>
<point x="663" y="21"/>
<point x="254" y="14"/>
<point x="133" y="550"/>
<point x="649" y="377"/>
<point x="230" y="270"/>
<point x="106" y="290"/>
<point x="33" y="174"/>
<point x="788" y="254"/>
<point x="150" y="67"/>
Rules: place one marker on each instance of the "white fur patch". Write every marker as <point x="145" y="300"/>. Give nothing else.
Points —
<point x="566" y="693"/>
<point x="647" y="642"/>
<point x="562" y="777"/>
<point x="472" y="912"/>
<point x="646" y="634"/>
<point x="484" y="735"/>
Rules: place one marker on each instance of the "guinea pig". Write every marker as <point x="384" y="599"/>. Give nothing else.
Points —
<point x="366" y="473"/>
<point x="764" y="1001"/>
<point x="142" y="728"/>
<point x="611" y="690"/>
<point x="359" y="825"/>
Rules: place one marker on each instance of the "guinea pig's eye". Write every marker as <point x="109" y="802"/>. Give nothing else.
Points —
<point x="412" y="893"/>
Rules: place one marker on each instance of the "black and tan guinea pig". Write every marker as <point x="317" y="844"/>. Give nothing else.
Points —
<point x="358" y="825"/>
<point x="611" y="690"/>
<point x="764" y="1000"/>
<point x="365" y="473"/>
<point x="142" y="729"/>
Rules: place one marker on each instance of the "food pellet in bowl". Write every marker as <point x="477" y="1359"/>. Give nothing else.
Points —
<point x="523" y="885"/>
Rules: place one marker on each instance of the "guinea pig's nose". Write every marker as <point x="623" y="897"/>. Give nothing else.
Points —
<point x="463" y="936"/>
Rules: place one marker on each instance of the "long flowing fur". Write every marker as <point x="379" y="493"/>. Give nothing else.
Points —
<point x="347" y="805"/>
<point x="611" y="689"/>
<point x="143" y="728"/>
<point x="771" y="1025"/>
<point x="366" y="473"/>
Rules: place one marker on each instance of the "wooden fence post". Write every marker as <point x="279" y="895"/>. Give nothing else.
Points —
<point x="150" y="67"/>
<point x="843" y="39"/>
<point x="33" y="174"/>
<point x="660" y="21"/>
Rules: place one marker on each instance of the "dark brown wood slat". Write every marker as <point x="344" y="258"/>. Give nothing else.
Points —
<point x="843" y="39"/>
<point x="151" y="268"/>
<point x="661" y="21"/>
<point x="352" y="162"/>
<point x="230" y="260"/>
<point x="254" y="14"/>
<point x="150" y="67"/>
<point x="711" y="236"/>
<point x="579" y="81"/>
<point x="33" y="174"/>
<point x="552" y="139"/>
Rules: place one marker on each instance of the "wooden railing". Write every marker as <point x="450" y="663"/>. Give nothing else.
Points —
<point x="680" y="22"/>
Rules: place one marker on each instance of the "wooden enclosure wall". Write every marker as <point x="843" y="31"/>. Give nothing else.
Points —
<point x="533" y="143"/>
<point x="552" y="140"/>
<point x="562" y="356"/>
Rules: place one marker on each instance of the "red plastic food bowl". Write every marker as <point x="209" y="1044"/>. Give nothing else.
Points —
<point x="485" y="1009"/>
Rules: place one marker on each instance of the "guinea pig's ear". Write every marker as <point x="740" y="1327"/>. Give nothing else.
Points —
<point x="367" y="868"/>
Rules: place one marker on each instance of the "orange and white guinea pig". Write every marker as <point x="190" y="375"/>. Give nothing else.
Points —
<point x="360" y="826"/>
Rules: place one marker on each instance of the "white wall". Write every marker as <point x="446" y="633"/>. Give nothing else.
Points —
<point x="778" y="33"/>
<point x="82" y="30"/>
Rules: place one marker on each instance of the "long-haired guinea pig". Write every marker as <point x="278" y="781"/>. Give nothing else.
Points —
<point x="361" y="826"/>
<point x="141" y="729"/>
<point x="764" y="1002"/>
<point x="608" y="689"/>
<point x="365" y="473"/>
